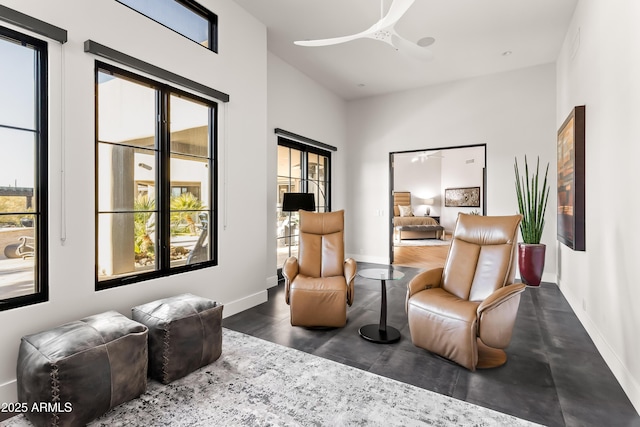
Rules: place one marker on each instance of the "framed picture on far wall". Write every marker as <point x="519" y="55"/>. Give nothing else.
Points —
<point x="571" y="185"/>
<point x="462" y="197"/>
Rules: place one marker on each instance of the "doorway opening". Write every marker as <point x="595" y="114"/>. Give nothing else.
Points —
<point x="428" y="188"/>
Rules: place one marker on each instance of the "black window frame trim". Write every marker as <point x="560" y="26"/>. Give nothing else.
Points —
<point x="164" y="268"/>
<point x="41" y="187"/>
<point x="35" y="25"/>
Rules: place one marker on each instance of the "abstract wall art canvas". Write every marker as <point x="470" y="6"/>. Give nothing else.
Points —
<point x="571" y="183"/>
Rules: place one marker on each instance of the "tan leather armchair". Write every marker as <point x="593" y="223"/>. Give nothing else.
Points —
<point x="319" y="283"/>
<point x="465" y="311"/>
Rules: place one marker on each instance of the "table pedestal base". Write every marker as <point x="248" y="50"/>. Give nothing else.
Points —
<point x="374" y="334"/>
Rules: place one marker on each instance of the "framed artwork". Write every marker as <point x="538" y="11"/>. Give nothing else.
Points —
<point x="462" y="197"/>
<point x="571" y="185"/>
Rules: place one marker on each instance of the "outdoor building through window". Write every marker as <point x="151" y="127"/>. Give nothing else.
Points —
<point x="155" y="175"/>
<point x="185" y="17"/>
<point x="23" y="172"/>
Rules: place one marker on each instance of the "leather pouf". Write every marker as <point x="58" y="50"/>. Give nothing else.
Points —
<point x="185" y="334"/>
<point x="78" y="371"/>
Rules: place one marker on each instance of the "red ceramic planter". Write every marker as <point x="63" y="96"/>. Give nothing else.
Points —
<point x="531" y="262"/>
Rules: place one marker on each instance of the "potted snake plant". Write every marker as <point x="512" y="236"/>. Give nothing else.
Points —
<point x="532" y="204"/>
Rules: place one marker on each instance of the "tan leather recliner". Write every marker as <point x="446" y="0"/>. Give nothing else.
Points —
<point x="319" y="283"/>
<point x="465" y="311"/>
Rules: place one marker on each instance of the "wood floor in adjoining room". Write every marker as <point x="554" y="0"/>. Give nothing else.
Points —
<point x="420" y="256"/>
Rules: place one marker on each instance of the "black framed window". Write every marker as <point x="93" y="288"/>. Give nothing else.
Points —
<point x="301" y="169"/>
<point x="155" y="177"/>
<point x="185" y="17"/>
<point x="23" y="170"/>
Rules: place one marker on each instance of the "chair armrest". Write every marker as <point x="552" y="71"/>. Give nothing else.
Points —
<point x="424" y="280"/>
<point x="289" y="271"/>
<point x="497" y="315"/>
<point x="350" y="268"/>
<point x="500" y="296"/>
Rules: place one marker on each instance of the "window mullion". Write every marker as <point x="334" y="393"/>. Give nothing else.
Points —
<point x="164" y="179"/>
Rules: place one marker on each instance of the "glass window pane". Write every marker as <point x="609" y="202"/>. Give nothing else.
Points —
<point x="127" y="112"/>
<point x="17" y="77"/>
<point x="296" y="163"/>
<point x="175" y="16"/>
<point x="189" y="127"/>
<point x="189" y="237"/>
<point x="312" y="165"/>
<point x="124" y="173"/>
<point x="189" y="219"/>
<point x="126" y="244"/>
<point x="17" y="167"/>
<point x="190" y="179"/>
<point x="284" y="161"/>
<point x="17" y="261"/>
<point x="322" y="170"/>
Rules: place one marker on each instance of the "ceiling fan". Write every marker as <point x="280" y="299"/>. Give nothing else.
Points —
<point x="426" y="156"/>
<point x="384" y="30"/>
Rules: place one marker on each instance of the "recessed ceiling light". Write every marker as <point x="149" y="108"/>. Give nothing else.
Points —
<point x="506" y="53"/>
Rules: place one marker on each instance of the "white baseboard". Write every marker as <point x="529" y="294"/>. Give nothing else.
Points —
<point x="272" y="281"/>
<point x="9" y="392"/>
<point x="369" y="258"/>
<point x="245" y="303"/>
<point x="619" y="370"/>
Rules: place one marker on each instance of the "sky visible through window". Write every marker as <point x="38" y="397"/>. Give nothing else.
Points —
<point x="175" y="16"/>
<point x="17" y="110"/>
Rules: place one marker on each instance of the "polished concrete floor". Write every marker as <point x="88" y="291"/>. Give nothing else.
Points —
<point x="554" y="375"/>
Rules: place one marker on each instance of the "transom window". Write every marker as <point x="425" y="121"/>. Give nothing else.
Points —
<point x="185" y="17"/>
<point x="23" y="170"/>
<point x="156" y="179"/>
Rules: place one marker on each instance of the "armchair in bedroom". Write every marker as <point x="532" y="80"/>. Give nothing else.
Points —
<point x="319" y="283"/>
<point x="466" y="311"/>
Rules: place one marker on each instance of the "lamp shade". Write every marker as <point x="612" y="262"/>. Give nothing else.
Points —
<point x="293" y="202"/>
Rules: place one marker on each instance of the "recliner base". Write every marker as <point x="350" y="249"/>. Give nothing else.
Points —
<point x="489" y="357"/>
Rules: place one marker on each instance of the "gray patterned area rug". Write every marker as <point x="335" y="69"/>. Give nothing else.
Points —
<point x="258" y="383"/>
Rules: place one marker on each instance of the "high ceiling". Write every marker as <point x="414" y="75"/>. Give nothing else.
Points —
<point x="472" y="37"/>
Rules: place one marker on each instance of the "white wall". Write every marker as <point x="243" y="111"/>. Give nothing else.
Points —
<point x="599" y="67"/>
<point x="422" y="179"/>
<point x="300" y="105"/>
<point x="239" y="69"/>
<point x="457" y="173"/>
<point x="513" y="113"/>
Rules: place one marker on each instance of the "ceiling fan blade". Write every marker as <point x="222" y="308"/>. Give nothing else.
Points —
<point x="405" y="46"/>
<point x="396" y="11"/>
<point x="328" y="42"/>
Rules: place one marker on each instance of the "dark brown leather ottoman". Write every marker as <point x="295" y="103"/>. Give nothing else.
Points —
<point x="82" y="369"/>
<point x="185" y="334"/>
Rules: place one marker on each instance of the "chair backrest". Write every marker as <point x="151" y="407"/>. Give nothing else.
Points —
<point x="482" y="256"/>
<point x="321" y="244"/>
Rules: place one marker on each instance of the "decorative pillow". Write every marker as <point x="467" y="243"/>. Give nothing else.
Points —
<point x="405" y="210"/>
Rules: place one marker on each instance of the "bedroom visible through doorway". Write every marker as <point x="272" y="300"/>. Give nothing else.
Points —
<point x="428" y="189"/>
